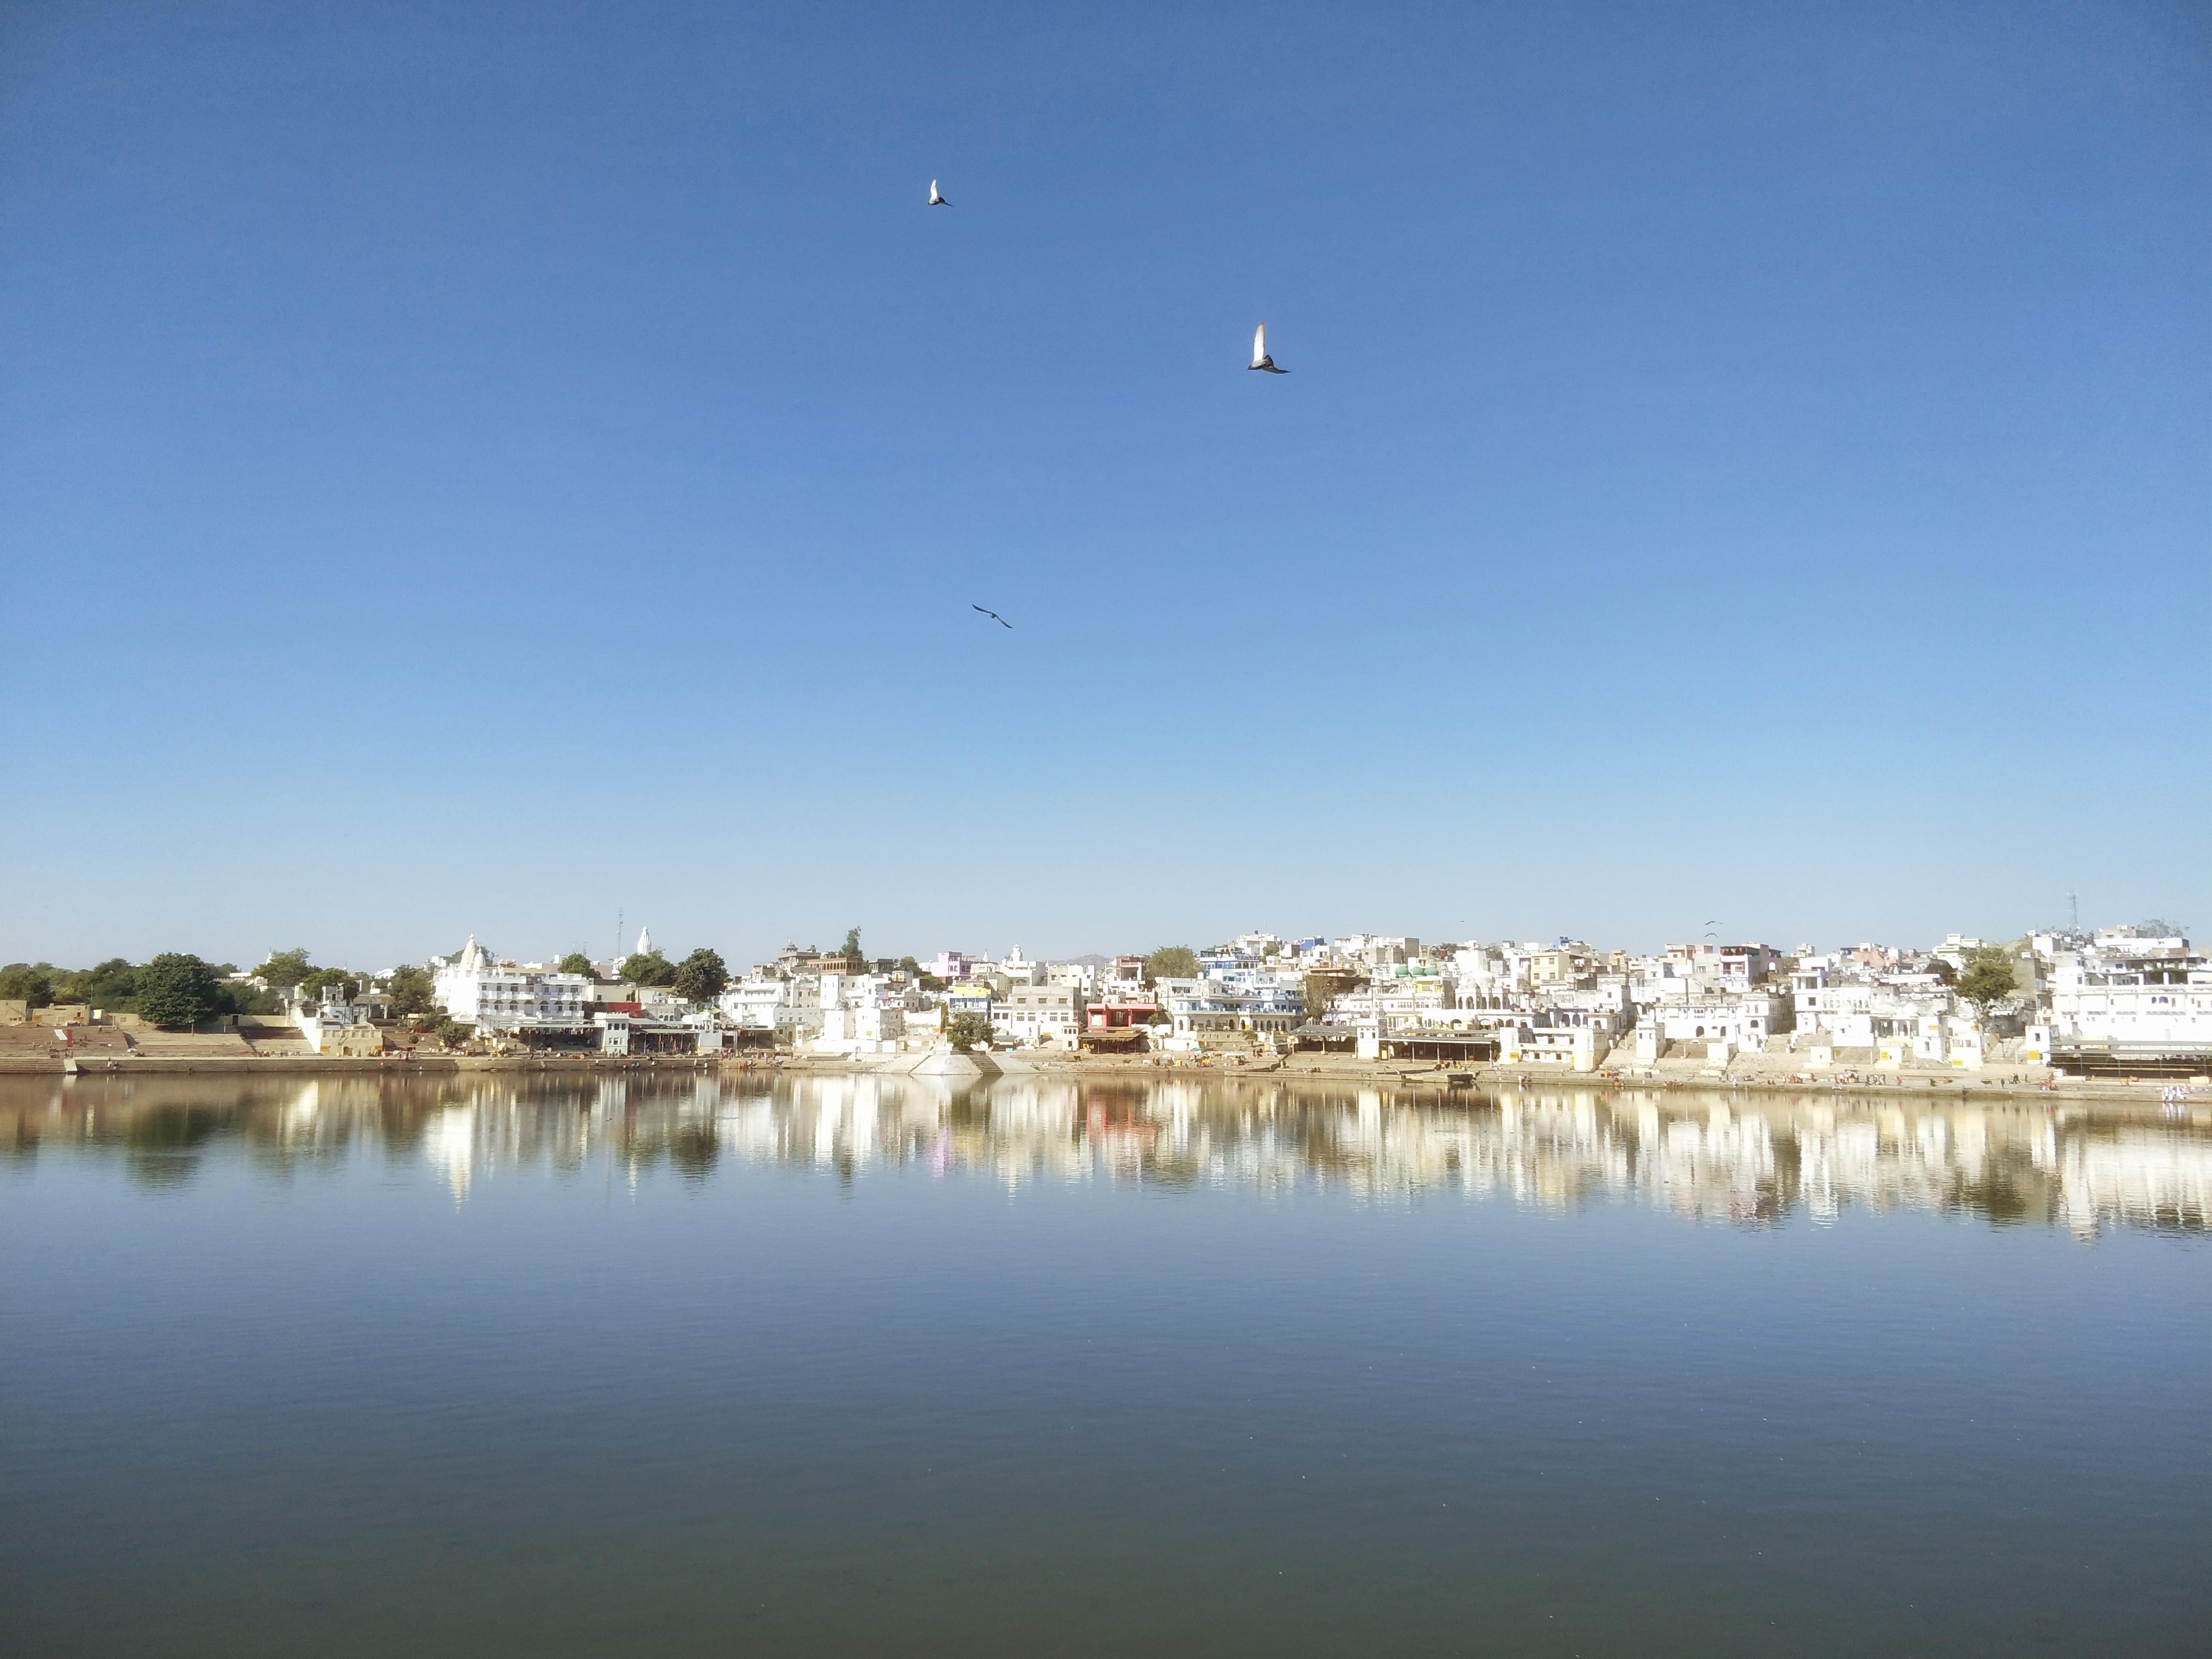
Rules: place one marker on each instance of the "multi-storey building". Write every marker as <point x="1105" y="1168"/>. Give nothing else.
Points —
<point x="506" y="996"/>
<point x="750" y="1003"/>
<point x="1201" y="1008"/>
<point x="1029" y="1012"/>
<point x="1081" y="977"/>
<point x="1564" y="964"/>
<point x="1018" y="969"/>
<point x="1740" y="1021"/>
<point x="337" y="1024"/>
<point x="1558" y="1043"/>
<point x="2129" y="1001"/>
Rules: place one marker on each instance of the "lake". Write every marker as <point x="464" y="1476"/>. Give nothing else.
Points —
<point x="498" y="1364"/>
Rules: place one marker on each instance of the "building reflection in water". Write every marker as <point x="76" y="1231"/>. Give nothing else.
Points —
<point x="1703" y="1157"/>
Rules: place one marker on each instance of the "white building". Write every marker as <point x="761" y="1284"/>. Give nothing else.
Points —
<point x="336" y="1025"/>
<point x="1824" y="1002"/>
<point x="861" y="1028"/>
<point x="1726" y="1024"/>
<point x="1197" y="1009"/>
<point x="1565" y="1048"/>
<point x="2112" y="1004"/>
<point x="1028" y="1012"/>
<point x="858" y="1015"/>
<point x="750" y="1003"/>
<point x="764" y="1000"/>
<point x="505" y="996"/>
<point x="1490" y="976"/>
<point x="1018" y="969"/>
<point x="1081" y="977"/>
<point x="1891" y="1017"/>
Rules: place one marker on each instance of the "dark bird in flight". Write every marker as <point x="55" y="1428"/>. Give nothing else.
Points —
<point x="994" y="615"/>
<point x="1261" y="359"/>
<point x="936" y="200"/>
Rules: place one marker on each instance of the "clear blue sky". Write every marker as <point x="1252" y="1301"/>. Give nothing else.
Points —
<point x="487" y="467"/>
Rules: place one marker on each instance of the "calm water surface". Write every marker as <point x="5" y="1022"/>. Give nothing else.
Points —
<point x="485" y="1366"/>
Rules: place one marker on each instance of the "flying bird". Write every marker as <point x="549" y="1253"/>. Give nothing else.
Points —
<point x="994" y="615"/>
<point x="1261" y="359"/>
<point x="936" y="200"/>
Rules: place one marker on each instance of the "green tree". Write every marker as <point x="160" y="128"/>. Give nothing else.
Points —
<point x="701" y="976"/>
<point x="1171" y="961"/>
<point x="968" y="1031"/>
<point x="284" y="970"/>
<point x="649" y="968"/>
<point x="409" y="989"/>
<point x="245" y="999"/>
<point x="27" y="982"/>
<point x="577" y="962"/>
<point x="111" y="984"/>
<point x="852" y="942"/>
<point x="179" y="989"/>
<point x="1988" y="978"/>
<point x="909" y="966"/>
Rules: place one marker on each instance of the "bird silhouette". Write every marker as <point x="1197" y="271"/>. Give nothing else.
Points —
<point x="994" y="615"/>
<point x="936" y="200"/>
<point x="1261" y="359"/>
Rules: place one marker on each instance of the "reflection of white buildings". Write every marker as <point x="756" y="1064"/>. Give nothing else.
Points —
<point x="1554" y="1145"/>
<point x="1717" y="1164"/>
<point x="2136" y="1178"/>
<point x="449" y="1147"/>
<point x="1703" y="1158"/>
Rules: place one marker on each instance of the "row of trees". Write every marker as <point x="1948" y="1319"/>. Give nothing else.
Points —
<point x="177" y="988"/>
<point x="180" y="990"/>
<point x="292" y="970"/>
<point x="407" y="989"/>
<point x="174" y="989"/>
<point x="700" y="977"/>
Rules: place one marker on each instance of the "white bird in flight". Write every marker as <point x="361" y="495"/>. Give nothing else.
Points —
<point x="1261" y="359"/>
<point x="936" y="200"/>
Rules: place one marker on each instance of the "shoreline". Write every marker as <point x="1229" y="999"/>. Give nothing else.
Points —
<point x="1949" y="1087"/>
<point x="105" y="1064"/>
<point x="1933" y="1085"/>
